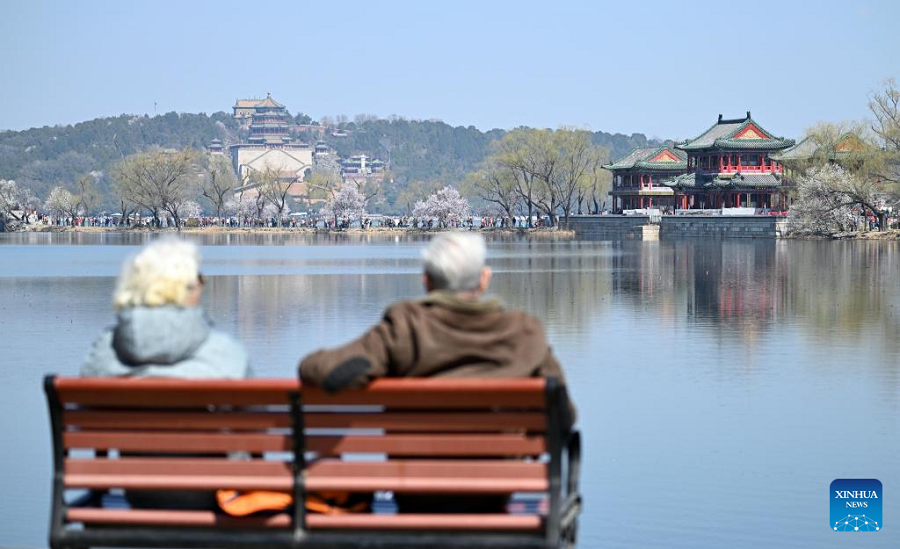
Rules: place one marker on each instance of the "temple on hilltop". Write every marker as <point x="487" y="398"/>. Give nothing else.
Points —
<point x="269" y="144"/>
<point x="637" y="178"/>
<point x="730" y="165"/>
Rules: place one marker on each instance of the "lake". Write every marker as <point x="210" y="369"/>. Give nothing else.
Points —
<point x="721" y="385"/>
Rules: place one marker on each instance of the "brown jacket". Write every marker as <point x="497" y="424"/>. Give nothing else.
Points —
<point x="440" y="335"/>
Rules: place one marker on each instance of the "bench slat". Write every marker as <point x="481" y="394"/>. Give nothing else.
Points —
<point x="179" y="482"/>
<point x="177" y="466"/>
<point x="473" y="522"/>
<point x="177" y="442"/>
<point x="178" y="420"/>
<point x="430" y="393"/>
<point x="429" y="445"/>
<point x="434" y="393"/>
<point x="167" y="393"/>
<point x="432" y="476"/>
<point x="405" y="445"/>
<point x="174" y="518"/>
<point x="534" y="422"/>
<point x="488" y="522"/>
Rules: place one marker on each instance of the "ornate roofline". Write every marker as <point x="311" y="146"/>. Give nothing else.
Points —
<point x="644" y="163"/>
<point x="728" y="141"/>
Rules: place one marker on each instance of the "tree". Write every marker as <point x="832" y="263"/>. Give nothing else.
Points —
<point x="191" y="210"/>
<point x="415" y="191"/>
<point x="86" y="194"/>
<point x="446" y="205"/>
<point x="347" y="203"/>
<point x="242" y="207"/>
<point x="62" y="203"/>
<point x="512" y="153"/>
<point x="14" y="198"/>
<point x="496" y="184"/>
<point x="217" y="183"/>
<point x="323" y="184"/>
<point x="825" y="195"/>
<point x="597" y="183"/>
<point x="275" y="189"/>
<point x="158" y="180"/>
<point x="575" y="159"/>
<point x="885" y="106"/>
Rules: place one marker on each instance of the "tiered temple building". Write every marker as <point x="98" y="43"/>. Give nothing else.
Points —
<point x="730" y="165"/>
<point x="269" y="145"/>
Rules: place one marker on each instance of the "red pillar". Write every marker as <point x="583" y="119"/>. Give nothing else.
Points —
<point x="738" y="203"/>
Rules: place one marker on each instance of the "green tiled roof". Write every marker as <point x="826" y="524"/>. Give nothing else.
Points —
<point x="721" y="136"/>
<point x="640" y="159"/>
<point x="808" y="148"/>
<point x="739" y="181"/>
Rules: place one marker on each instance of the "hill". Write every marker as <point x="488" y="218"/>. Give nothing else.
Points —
<point x="42" y="158"/>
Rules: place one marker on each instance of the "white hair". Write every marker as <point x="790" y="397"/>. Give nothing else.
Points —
<point x="454" y="261"/>
<point x="162" y="273"/>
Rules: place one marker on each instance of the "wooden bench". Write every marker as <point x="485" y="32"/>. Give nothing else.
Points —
<point x="435" y="437"/>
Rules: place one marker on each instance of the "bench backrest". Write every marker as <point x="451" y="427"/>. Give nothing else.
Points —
<point x="409" y="436"/>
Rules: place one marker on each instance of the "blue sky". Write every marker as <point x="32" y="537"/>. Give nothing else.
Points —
<point x="662" y="68"/>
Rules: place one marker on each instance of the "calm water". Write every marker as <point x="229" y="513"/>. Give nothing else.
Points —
<point x="722" y="386"/>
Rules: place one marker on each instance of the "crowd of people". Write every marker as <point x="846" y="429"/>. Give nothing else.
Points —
<point x="292" y="222"/>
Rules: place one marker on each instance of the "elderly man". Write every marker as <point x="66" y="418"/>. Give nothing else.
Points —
<point x="451" y="332"/>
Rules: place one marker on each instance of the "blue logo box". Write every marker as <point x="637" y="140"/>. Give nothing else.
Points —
<point x="856" y="505"/>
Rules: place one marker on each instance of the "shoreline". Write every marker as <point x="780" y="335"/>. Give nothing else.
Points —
<point x="536" y="232"/>
<point x="888" y="235"/>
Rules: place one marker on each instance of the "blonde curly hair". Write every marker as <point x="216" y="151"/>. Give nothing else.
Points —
<point x="165" y="272"/>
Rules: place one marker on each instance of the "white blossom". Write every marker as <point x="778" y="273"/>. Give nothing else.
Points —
<point x="62" y="202"/>
<point x="446" y="206"/>
<point x="191" y="210"/>
<point x="347" y="203"/>
<point x="823" y="204"/>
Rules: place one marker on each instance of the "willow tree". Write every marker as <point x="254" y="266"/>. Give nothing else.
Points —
<point x="218" y="182"/>
<point x="158" y="180"/>
<point x="495" y="183"/>
<point x="275" y="189"/>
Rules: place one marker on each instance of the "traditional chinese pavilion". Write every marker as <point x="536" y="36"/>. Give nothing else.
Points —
<point x="269" y="145"/>
<point x="638" y="178"/>
<point x="730" y="165"/>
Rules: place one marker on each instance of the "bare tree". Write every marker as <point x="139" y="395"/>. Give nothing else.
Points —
<point x="275" y="189"/>
<point x="158" y="181"/>
<point x="575" y="158"/>
<point x="497" y="184"/>
<point x="86" y="194"/>
<point x="323" y="184"/>
<point x="217" y="183"/>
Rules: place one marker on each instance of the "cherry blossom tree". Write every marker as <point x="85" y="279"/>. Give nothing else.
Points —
<point x="825" y="195"/>
<point x="14" y="198"/>
<point x="242" y="207"/>
<point x="446" y="206"/>
<point x="63" y="203"/>
<point x="347" y="203"/>
<point x="191" y="210"/>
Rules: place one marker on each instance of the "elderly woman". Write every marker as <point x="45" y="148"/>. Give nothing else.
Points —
<point x="160" y="329"/>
